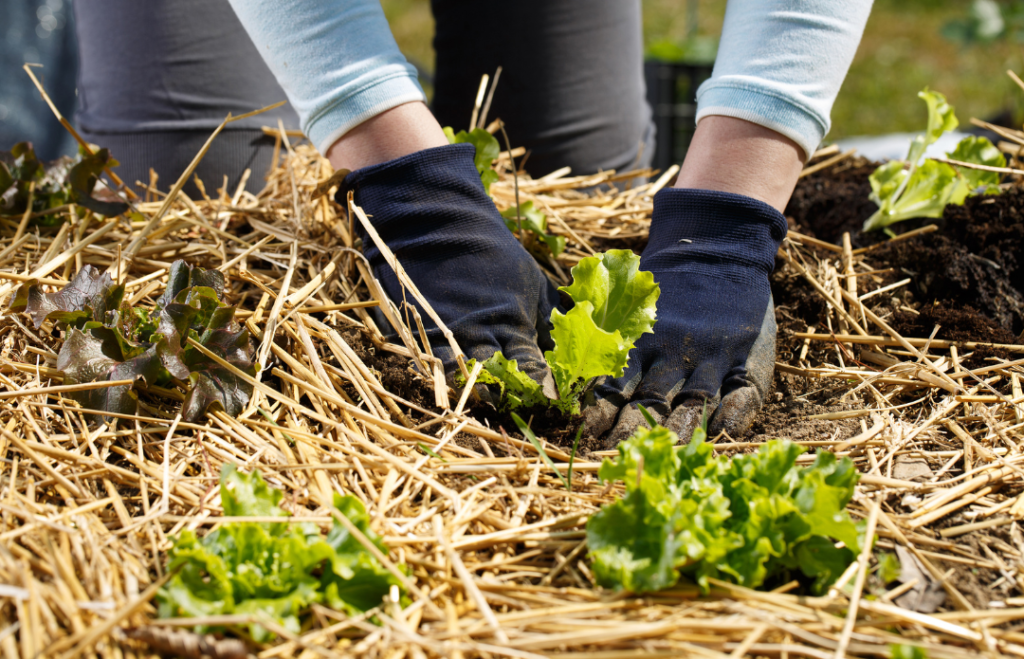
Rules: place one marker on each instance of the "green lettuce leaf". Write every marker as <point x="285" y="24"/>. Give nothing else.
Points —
<point x="742" y="520"/>
<point x="273" y="571"/>
<point x="941" y="117"/>
<point x="535" y="221"/>
<point x="243" y="495"/>
<point x="925" y="193"/>
<point x="615" y="303"/>
<point x="517" y="388"/>
<point x="886" y="180"/>
<point x="623" y="296"/>
<point x="978" y="151"/>
<point x="583" y="351"/>
<point x="487" y="151"/>
<point x="916" y="188"/>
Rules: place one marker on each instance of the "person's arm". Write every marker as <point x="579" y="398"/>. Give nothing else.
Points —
<point x="766" y="107"/>
<point x="360" y="105"/>
<point x="715" y="233"/>
<point x="358" y="100"/>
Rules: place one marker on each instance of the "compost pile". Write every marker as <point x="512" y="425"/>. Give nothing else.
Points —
<point x="903" y="355"/>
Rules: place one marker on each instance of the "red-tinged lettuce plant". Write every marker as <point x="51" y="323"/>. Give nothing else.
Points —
<point x="274" y="570"/>
<point x="920" y="187"/>
<point x="614" y="305"/>
<point x="64" y="181"/>
<point x="106" y="340"/>
<point x="742" y="520"/>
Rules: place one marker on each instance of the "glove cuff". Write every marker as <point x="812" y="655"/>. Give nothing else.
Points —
<point x="716" y="226"/>
<point x="439" y="170"/>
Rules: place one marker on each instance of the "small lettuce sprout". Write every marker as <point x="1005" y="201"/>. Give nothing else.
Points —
<point x="536" y="222"/>
<point x="923" y="188"/>
<point x="615" y="303"/>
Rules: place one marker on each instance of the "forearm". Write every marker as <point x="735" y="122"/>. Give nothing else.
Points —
<point x="336" y="60"/>
<point x="766" y="107"/>
<point x="781" y="64"/>
<point x="733" y="155"/>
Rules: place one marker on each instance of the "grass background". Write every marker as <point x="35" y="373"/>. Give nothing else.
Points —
<point x="902" y="51"/>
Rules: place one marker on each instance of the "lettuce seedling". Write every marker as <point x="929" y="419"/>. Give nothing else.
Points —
<point x="106" y="340"/>
<point x="487" y="151"/>
<point x="615" y="303"/>
<point x="272" y="570"/>
<point x="742" y="520"/>
<point x="535" y="221"/>
<point x="923" y="188"/>
<point x="63" y="181"/>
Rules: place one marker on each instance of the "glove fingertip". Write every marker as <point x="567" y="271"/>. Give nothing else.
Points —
<point x="685" y="419"/>
<point x="737" y="412"/>
<point x="631" y="419"/>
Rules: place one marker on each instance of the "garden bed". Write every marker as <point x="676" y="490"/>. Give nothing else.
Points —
<point x="493" y="542"/>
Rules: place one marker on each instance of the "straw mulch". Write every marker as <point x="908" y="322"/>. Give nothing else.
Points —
<point x="495" y="544"/>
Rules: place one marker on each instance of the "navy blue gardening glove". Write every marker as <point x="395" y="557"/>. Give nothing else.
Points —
<point x="713" y="346"/>
<point x="432" y="211"/>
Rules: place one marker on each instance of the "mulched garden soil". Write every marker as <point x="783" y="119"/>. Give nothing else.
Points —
<point x="973" y="265"/>
<point x="967" y="278"/>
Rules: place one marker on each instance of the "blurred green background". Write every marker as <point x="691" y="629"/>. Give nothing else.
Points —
<point x="951" y="46"/>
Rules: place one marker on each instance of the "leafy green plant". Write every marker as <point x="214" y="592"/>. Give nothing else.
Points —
<point x="106" y="340"/>
<point x="743" y="519"/>
<point x="487" y="151"/>
<point x="889" y="568"/>
<point x="64" y="181"/>
<point x="922" y="187"/>
<point x="536" y="222"/>
<point x="900" y="651"/>
<point x="615" y="303"/>
<point x="273" y="570"/>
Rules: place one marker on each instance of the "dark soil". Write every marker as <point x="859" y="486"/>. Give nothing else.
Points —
<point x="833" y="201"/>
<point x="545" y="422"/>
<point x="395" y="372"/>
<point x="973" y="263"/>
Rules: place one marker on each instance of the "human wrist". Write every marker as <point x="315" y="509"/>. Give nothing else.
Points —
<point x="736" y="156"/>
<point x="715" y="231"/>
<point x="392" y="134"/>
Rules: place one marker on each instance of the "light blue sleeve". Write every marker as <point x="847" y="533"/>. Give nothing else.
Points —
<point x="336" y="60"/>
<point x="781" y="63"/>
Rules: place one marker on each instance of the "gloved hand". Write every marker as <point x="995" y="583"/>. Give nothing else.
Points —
<point x="432" y="211"/>
<point x="713" y="344"/>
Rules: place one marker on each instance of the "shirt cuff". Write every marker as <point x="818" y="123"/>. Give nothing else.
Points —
<point x="386" y="91"/>
<point x="765" y="108"/>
